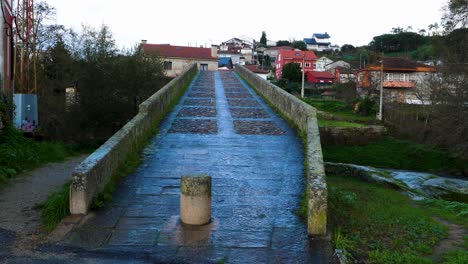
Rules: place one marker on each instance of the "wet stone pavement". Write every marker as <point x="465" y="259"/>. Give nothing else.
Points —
<point x="223" y="129"/>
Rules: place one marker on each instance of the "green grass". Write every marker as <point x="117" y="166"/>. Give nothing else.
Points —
<point x="396" y="154"/>
<point x="331" y="123"/>
<point x="55" y="207"/>
<point x="378" y="225"/>
<point x="452" y="211"/>
<point x="18" y="154"/>
<point x="455" y="257"/>
<point x="338" y="109"/>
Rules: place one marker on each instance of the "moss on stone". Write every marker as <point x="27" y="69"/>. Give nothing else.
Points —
<point x="195" y="185"/>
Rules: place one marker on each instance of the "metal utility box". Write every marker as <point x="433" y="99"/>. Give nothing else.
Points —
<point x="26" y="107"/>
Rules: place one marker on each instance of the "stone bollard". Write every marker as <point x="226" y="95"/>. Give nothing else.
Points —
<point x="195" y="199"/>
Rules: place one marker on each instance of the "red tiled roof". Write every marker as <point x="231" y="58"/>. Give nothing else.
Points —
<point x="280" y="48"/>
<point x="401" y="64"/>
<point x="168" y="51"/>
<point x="319" y="74"/>
<point x="255" y="69"/>
<point x="309" y="55"/>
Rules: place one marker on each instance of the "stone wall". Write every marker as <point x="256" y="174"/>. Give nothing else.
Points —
<point x="304" y="117"/>
<point x="351" y="135"/>
<point x="90" y="177"/>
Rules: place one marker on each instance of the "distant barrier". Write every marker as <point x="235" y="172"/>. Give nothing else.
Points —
<point x="90" y="177"/>
<point x="304" y="117"/>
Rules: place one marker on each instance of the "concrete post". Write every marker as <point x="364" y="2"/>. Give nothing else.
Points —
<point x="195" y="199"/>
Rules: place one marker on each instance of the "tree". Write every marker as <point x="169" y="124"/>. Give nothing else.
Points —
<point x="299" y="44"/>
<point x="292" y="72"/>
<point x="347" y="48"/>
<point x="283" y="43"/>
<point x="266" y="61"/>
<point x="399" y="42"/>
<point x="456" y="15"/>
<point x="263" y="39"/>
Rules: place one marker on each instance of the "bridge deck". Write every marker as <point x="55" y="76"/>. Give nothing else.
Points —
<point x="223" y="129"/>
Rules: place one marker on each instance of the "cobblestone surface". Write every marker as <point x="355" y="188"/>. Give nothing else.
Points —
<point x="197" y="112"/>
<point x="249" y="127"/>
<point x="256" y="167"/>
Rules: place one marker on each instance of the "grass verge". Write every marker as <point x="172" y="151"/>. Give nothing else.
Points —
<point x="55" y="208"/>
<point x="378" y="225"/>
<point x="338" y="109"/>
<point x="331" y="123"/>
<point x="18" y="153"/>
<point x="396" y="154"/>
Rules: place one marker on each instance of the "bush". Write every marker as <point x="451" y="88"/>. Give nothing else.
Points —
<point x="365" y="106"/>
<point x="6" y="108"/>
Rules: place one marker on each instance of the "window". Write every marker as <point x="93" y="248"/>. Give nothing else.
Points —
<point x="389" y="77"/>
<point x="168" y="65"/>
<point x="203" y="67"/>
<point x="307" y="64"/>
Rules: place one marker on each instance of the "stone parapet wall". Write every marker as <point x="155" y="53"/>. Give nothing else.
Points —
<point x="90" y="177"/>
<point x="351" y="135"/>
<point x="304" y="117"/>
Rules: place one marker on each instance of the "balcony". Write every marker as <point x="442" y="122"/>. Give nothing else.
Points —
<point x="399" y="84"/>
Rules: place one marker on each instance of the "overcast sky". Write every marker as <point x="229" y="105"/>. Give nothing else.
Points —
<point x="180" y="22"/>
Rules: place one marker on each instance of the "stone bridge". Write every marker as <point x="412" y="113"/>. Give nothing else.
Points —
<point x="260" y="167"/>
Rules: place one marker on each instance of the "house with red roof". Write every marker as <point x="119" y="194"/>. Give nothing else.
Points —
<point x="178" y="58"/>
<point x="403" y="79"/>
<point x="320" y="77"/>
<point x="295" y="56"/>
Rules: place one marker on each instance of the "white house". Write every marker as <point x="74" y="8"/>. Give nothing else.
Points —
<point x="321" y="63"/>
<point x="318" y="42"/>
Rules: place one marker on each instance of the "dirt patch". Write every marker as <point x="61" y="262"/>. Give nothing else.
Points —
<point x="454" y="240"/>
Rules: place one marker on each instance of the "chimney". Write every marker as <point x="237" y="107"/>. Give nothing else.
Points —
<point x="144" y="41"/>
<point x="214" y="51"/>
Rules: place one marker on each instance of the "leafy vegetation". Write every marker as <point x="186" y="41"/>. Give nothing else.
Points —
<point x="55" y="207"/>
<point x="449" y="210"/>
<point x="18" y="153"/>
<point x="455" y="257"/>
<point x="330" y="123"/>
<point x="378" y="225"/>
<point x="339" y="109"/>
<point x="396" y="154"/>
<point x="292" y="72"/>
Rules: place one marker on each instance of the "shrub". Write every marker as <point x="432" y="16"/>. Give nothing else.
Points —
<point x="365" y="106"/>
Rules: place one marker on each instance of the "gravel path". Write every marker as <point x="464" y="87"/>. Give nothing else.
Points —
<point x="18" y="199"/>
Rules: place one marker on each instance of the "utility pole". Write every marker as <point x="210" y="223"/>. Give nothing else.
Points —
<point x="380" y="115"/>
<point x="303" y="73"/>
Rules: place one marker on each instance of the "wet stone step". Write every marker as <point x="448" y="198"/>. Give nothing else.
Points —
<point x="248" y="113"/>
<point x="194" y="126"/>
<point x="200" y="102"/>
<point x="238" y="95"/>
<point x="248" y="127"/>
<point x="197" y="112"/>
<point x="243" y="103"/>
<point x="202" y="94"/>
